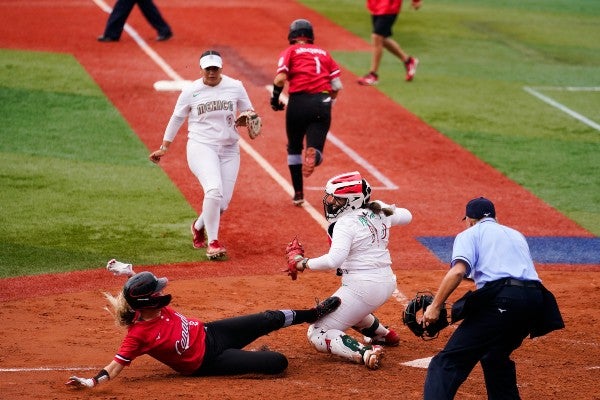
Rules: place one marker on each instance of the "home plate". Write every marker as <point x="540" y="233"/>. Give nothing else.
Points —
<point x="418" y="363"/>
<point x="171" y="86"/>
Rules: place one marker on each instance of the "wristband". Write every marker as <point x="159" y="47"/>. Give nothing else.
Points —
<point x="163" y="147"/>
<point x="277" y="91"/>
<point x="102" y="376"/>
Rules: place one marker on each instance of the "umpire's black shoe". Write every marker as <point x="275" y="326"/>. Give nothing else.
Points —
<point x="166" y="36"/>
<point x="107" y="39"/>
<point x="327" y="306"/>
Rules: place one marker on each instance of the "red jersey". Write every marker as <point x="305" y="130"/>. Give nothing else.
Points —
<point x="172" y="339"/>
<point x="382" y="7"/>
<point x="309" y="68"/>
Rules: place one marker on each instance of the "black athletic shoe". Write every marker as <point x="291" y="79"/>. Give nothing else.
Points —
<point x="327" y="306"/>
<point x="107" y="39"/>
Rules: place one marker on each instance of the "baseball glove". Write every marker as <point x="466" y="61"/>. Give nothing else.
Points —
<point x="415" y="308"/>
<point x="251" y="121"/>
<point x="294" y="252"/>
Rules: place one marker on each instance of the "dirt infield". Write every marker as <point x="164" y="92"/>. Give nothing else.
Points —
<point x="52" y="329"/>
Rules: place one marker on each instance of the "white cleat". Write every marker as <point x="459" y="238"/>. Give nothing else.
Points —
<point x="372" y="357"/>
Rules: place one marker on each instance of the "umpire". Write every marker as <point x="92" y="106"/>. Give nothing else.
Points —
<point x="510" y="303"/>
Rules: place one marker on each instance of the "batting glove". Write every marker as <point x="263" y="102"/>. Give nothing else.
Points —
<point x="81" y="383"/>
<point x="119" y="268"/>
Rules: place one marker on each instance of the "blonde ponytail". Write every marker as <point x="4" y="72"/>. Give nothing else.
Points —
<point x="119" y="309"/>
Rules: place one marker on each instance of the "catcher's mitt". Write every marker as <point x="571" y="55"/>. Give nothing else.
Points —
<point x="418" y="305"/>
<point x="250" y="120"/>
<point x="294" y="252"/>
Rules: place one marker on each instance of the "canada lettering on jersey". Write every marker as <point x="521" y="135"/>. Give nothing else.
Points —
<point x="215" y="105"/>
<point x="183" y="344"/>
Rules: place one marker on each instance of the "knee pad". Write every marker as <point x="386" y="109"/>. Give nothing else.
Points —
<point x="368" y="326"/>
<point x="277" y="364"/>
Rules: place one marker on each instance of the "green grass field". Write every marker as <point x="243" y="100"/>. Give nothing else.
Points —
<point x="476" y="56"/>
<point x="75" y="179"/>
<point x="67" y="156"/>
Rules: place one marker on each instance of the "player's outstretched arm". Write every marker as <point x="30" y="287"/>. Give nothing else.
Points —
<point x="109" y="372"/>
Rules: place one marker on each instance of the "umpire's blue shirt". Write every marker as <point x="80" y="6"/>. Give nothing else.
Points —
<point x="493" y="251"/>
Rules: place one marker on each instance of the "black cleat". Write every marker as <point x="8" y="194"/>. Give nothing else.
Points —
<point x="166" y="36"/>
<point x="327" y="306"/>
<point x="107" y="39"/>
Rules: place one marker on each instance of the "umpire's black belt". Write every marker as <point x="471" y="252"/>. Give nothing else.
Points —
<point x="517" y="282"/>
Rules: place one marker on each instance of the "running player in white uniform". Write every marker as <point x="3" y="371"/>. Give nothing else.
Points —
<point x="211" y="105"/>
<point x="359" y="233"/>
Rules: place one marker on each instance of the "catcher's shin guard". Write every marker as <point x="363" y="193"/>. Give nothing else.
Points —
<point x="337" y="342"/>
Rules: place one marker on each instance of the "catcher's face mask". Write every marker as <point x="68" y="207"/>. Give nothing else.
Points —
<point x="343" y="193"/>
<point x="334" y="206"/>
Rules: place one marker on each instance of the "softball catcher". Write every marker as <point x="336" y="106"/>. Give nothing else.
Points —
<point x="359" y="235"/>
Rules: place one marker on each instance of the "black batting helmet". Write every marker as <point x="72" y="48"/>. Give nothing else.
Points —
<point x="143" y="291"/>
<point x="301" y="29"/>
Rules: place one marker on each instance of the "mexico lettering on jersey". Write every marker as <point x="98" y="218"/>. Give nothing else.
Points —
<point x="309" y="69"/>
<point x="211" y="110"/>
<point x="172" y="339"/>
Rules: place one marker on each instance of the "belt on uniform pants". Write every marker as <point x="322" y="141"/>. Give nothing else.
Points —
<point x="517" y="282"/>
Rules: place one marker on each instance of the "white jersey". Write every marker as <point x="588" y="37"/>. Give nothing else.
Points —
<point x="211" y="111"/>
<point x="359" y="242"/>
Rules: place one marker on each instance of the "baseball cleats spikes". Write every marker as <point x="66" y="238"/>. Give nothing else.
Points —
<point x="310" y="161"/>
<point x="215" y="250"/>
<point x="198" y="237"/>
<point x="411" y="68"/>
<point x="298" y="199"/>
<point x="369" y="79"/>
<point x="372" y="356"/>
<point x="390" y="340"/>
<point x="327" y="306"/>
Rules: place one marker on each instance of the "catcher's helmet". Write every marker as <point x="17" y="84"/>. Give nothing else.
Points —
<point x="143" y="291"/>
<point x="420" y="303"/>
<point x="344" y="193"/>
<point x="301" y="29"/>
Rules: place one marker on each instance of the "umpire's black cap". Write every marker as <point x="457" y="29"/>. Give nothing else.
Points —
<point x="480" y="207"/>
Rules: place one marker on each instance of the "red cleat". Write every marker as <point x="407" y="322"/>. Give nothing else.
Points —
<point x="411" y="68"/>
<point x="215" y="250"/>
<point x="198" y="237"/>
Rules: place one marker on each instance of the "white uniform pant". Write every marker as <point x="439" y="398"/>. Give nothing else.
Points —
<point x="216" y="167"/>
<point x="360" y="297"/>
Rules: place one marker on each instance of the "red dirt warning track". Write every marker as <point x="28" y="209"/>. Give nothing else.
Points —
<point x="51" y="331"/>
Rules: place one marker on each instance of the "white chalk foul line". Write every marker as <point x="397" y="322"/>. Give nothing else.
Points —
<point x="48" y="369"/>
<point x="562" y="107"/>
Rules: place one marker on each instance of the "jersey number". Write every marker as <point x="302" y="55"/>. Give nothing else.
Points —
<point x="317" y="65"/>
